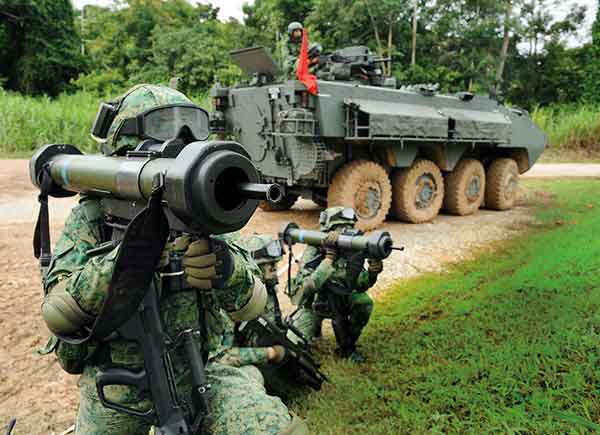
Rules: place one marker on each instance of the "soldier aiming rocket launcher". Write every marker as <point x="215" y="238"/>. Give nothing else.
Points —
<point x="333" y="299"/>
<point x="378" y="245"/>
<point x="350" y="243"/>
<point x="202" y="188"/>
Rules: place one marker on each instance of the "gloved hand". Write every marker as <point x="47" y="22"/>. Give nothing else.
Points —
<point x="275" y="354"/>
<point x="330" y="255"/>
<point x="199" y="261"/>
<point x="375" y="266"/>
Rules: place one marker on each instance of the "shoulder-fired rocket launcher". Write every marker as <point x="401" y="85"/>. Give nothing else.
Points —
<point x="201" y="188"/>
<point x="376" y="245"/>
<point x="209" y="187"/>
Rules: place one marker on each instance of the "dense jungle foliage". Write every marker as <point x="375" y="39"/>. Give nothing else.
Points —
<point x="54" y="57"/>
<point x="517" y="48"/>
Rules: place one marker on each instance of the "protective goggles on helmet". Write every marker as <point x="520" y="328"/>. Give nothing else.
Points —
<point x="273" y="249"/>
<point x="160" y="123"/>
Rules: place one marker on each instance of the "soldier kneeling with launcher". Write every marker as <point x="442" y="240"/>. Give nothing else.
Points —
<point x="332" y="284"/>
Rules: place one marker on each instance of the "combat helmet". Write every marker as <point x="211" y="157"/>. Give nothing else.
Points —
<point x="264" y="249"/>
<point x="294" y="25"/>
<point x="112" y="126"/>
<point x="315" y="49"/>
<point x="333" y="216"/>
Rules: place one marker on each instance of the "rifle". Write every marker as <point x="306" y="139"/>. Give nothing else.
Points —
<point x="333" y="301"/>
<point x="200" y="188"/>
<point x="298" y="359"/>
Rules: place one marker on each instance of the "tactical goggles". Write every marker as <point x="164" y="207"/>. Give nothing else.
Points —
<point x="273" y="249"/>
<point x="346" y="214"/>
<point x="160" y="123"/>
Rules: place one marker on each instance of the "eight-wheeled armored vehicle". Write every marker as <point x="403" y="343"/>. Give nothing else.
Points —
<point x="362" y="142"/>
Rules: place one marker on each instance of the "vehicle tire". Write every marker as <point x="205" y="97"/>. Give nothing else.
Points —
<point x="285" y="204"/>
<point x="502" y="182"/>
<point x="364" y="186"/>
<point x="465" y="187"/>
<point x="417" y="192"/>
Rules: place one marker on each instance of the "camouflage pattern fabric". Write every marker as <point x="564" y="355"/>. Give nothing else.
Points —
<point x="289" y="65"/>
<point x="310" y="280"/>
<point x="137" y="100"/>
<point x="88" y="278"/>
<point x="238" y="398"/>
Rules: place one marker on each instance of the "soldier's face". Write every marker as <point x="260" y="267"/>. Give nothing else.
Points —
<point x="297" y="34"/>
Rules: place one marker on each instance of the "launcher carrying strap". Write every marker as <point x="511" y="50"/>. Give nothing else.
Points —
<point x="41" y="235"/>
<point x="139" y="254"/>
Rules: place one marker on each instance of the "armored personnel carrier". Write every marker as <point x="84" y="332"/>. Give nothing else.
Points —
<point x="364" y="143"/>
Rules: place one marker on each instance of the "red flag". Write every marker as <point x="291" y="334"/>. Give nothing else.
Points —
<point x="309" y="80"/>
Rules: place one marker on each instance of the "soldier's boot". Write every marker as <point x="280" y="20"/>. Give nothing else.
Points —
<point x="296" y="427"/>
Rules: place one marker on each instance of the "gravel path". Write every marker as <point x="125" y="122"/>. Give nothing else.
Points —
<point x="555" y="170"/>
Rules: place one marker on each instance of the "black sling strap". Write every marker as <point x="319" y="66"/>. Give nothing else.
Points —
<point x="41" y="236"/>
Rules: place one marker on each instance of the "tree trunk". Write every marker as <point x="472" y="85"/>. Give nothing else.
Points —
<point x="413" y="55"/>
<point x="504" y="51"/>
<point x="389" y="50"/>
<point x="375" y="29"/>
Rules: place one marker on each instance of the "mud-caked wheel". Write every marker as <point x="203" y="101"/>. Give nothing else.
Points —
<point x="465" y="187"/>
<point x="364" y="186"/>
<point x="285" y="204"/>
<point x="417" y="192"/>
<point x="502" y="184"/>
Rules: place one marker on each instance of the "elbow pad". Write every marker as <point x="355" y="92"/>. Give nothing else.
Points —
<point x="255" y="305"/>
<point x="62" y="313"/>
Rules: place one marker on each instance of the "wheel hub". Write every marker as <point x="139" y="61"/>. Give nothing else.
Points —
<point x="367" y="200"/>
<point x="473" y="189"/>
<point x="426" y="191"/>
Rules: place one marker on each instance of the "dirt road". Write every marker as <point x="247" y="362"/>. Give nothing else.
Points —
<point x="44" y="398"/>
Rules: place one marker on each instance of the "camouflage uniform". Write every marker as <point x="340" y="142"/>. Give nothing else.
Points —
<point x="267" y="262"/>
<point x="308" y="288"/>
<point x="293" y="50"/>
<point x="238" y="397"/>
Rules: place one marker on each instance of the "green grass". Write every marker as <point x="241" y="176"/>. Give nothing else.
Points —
<point x="28" y="122"/>
<point x="570" y="128"/>
<point x="505" y="344"/>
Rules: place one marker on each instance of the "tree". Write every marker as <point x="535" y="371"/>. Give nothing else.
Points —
<point x="42" y="53"/>
<point x="592" y="79"/>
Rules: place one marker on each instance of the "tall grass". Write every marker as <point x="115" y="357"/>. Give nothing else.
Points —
<point x="28" y="122"/>
<point x="570" y="127"/>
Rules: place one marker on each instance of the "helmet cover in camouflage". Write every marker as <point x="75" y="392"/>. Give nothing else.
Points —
<point x="135" y="101"/>
<point x="263" y="248"/>
<point x="333" y="216"/>
<point x="295" y="25"/>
